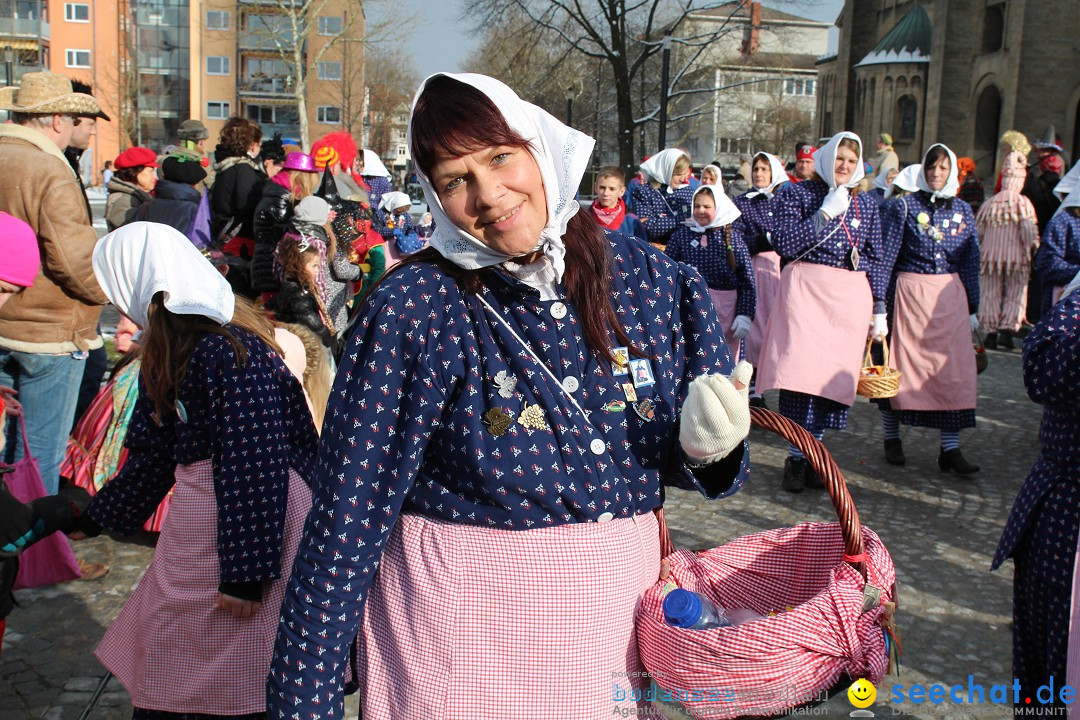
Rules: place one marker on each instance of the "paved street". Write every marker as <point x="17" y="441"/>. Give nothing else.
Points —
<point x="941" y="531"/>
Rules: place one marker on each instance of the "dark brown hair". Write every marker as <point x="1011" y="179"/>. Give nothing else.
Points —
<point x="129" y="174"/>
<point x="169" y="339"/>
<point x="452" y="119"/>
<point x="292" y="260"/>
<point x="238" y="135"/>
<point x="933" y="155"/>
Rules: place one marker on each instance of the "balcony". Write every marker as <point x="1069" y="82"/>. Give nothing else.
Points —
<point x="264" y="40"/>
<point x="24" y="28"/>
<point x="266" y="87"/>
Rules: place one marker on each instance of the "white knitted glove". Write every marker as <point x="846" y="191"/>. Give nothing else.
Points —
<point x="715" y="417"/>
<point x="836" y="202"/>
<point x="740" y="328"/>
<point x="973" y="320"/>
<point x="880" y="328"/>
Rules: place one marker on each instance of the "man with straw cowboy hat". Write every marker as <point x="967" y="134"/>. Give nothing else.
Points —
<point x="47" y="329"/>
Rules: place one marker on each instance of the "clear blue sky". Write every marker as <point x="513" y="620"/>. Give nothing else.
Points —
<point x="439" y="40"/>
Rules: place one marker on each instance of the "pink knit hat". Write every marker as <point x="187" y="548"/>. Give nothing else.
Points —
<point x="19" y="248"/>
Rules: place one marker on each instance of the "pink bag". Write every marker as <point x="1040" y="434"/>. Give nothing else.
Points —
<point x="50" y="560"/>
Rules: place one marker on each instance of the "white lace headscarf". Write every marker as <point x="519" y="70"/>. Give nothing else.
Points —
<point x="726" y="212"/>
<point x="951" y="185"/>
<point x="825" y="160"/>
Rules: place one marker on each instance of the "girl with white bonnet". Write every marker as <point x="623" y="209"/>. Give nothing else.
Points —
<point x="713" y="245"/>
<point x="501" y="426"/>
<point x="933" y="248"/>
<point x="758" y="209"/>
<point x="223" y="424"/>
<point x="832" y="288"/>
<point x="662" y="201"/>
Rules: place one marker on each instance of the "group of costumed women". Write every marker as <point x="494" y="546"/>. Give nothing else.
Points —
<point x="804" y="274"/>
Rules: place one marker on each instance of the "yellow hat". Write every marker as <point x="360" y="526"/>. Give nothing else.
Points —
<point x="326" y="157"/>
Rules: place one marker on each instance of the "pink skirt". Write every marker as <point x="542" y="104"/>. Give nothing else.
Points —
<point x="816" y="337"/>
<point x="767" y="279"/>
<point x="724" y="301"/>
<point x="931" y="344"/>
<point x="169" y="647"/>
<point x="471" y="623"/>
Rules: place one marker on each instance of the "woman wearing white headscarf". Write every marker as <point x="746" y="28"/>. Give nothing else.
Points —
<point x="662" y="201"/>
<point x="506" y="409"/>
<point x="933" y="295"/>
<point x="1058" y="259"/>
<point x="758" y="212"/>
<point x="833" y="282"/>
<point x="376" y="176"/>
<point x="713" y="245"/>
<point x="905" y="183"/>
<point x="222" y="424"/>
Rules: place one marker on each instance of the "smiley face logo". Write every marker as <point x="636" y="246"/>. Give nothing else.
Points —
<point x="862" y="693"/>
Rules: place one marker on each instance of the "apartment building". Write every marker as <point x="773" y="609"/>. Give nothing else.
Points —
<point x="155" y="63"/>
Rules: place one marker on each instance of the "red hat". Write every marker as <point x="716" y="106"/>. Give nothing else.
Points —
<point x="805" y="152"/>
<point x="136" y="157"/>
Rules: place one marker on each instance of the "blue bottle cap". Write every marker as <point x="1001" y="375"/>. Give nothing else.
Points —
<point x="682" y="608"/>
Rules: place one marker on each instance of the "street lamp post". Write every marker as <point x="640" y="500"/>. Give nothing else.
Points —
<point x="570" y="106"/>
<point x="664" y="69"/>
<point x="9" y="66"/>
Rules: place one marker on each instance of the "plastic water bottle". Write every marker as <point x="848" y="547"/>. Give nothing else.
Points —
<point x="686" y="609"/>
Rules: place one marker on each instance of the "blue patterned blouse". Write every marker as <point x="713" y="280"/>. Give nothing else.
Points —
<point x="1058" y="260"/>
<point x="440" y="411"/>
<point x="945" y="243"/>
<point x="796" y="235"/>
<point x="711" y="260"/>
<point x="660" y="211"/>
<point x="252" y="423"/>
<point x="757" y="220"/>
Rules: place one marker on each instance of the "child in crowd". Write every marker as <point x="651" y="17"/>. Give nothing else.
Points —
<point x="426" y="228"/>
<point x="713" y="244"/>
<point x="299" y="263"/>
<point x="663" y="203"/>
<point x="609" y="209"/>
<point x="395" y="222"/>
<point x="222" y="423"/>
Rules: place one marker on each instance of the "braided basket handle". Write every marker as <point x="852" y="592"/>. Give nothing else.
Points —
<point x="827" y="470"/>
<point x="867" y="359"/>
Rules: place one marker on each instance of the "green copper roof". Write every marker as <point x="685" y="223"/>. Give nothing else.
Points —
<point x="908" y="41"/>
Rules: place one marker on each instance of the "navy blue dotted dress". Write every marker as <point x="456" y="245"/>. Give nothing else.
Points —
<point x="756" y="222"/>
<point x="711" y="260"/>
<point x="424" y="419"/>
<point x="661" y="211"/>
<point x="911" y="249"/>
<point x="1058" y="260"/>
<point x="1041" y="532"/>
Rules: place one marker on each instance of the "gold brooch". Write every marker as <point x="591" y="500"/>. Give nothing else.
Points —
<point x="498" y="421"/>
<point x="532" y="417"/>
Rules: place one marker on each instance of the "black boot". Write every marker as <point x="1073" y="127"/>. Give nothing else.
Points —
<point x="810" y="477"/>
<point x="954" y="460"/>
<point x="1005" y="340"/>
<point x="794" y="474"/>
<point x="990" y="341"/>
<point x="894" y="452"/>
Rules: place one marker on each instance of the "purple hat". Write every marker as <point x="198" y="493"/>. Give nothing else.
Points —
<point x="299" y="161"/>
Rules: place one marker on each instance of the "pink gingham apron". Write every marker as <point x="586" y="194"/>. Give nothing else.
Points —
<point x="931" y="344"/>
<point x="472" y="623"/>
<point x="767" y="282"/>
<point x="169" y="647"/>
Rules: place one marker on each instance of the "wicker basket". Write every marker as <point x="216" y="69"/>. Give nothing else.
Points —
<point x="878" y="381"/>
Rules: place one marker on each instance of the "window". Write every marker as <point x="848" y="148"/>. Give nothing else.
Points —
<point x="733" y="146"/>
<point x="799" y="87"/>
<point x="908" y="109"/>
<point x="993" y="28"/>
<point x="328" y="114"/>
<point x="330" y="26"/>
<point x="218" y="20"/>
<point x="78" y="58"/>
<point x="77" y="12"/>
<point x="329" y="71"/>
<point x="217" y="65"/>
<point x="217" y="110"/>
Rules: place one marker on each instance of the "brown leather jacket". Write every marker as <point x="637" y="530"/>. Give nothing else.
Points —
<point x="59" y="314"/>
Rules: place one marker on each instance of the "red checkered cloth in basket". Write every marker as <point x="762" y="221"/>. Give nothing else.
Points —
<point x="775" y="663"/>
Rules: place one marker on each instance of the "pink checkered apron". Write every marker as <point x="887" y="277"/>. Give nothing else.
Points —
<point x="169" y="647"/>
<point x="471" y="623"/>
<point x="724" y="301"/>
<point x="767" y="283"/>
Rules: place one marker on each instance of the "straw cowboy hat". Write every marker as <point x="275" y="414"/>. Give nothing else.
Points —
<point x="45" y="93"/>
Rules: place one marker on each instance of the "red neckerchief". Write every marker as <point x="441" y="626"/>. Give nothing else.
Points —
<point x="611" y="219"/>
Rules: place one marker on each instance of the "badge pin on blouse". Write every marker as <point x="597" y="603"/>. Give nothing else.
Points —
<point x="646" y="409"/>
<point x="181" y="412"/>
<point x="506" y="382"/>
<point x="855" y="223"/>
<point x="629" y="391"/>
<point x="498" y="420"/>
<point x="532" y="417"/>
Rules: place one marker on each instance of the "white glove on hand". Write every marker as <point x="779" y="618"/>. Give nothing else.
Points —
<point x="836" y="202"/>
<point x="716" y="417"/>
<point x="740" y="328"/>
<point x="973" y="320"/>
<point x="880" y="328"/>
